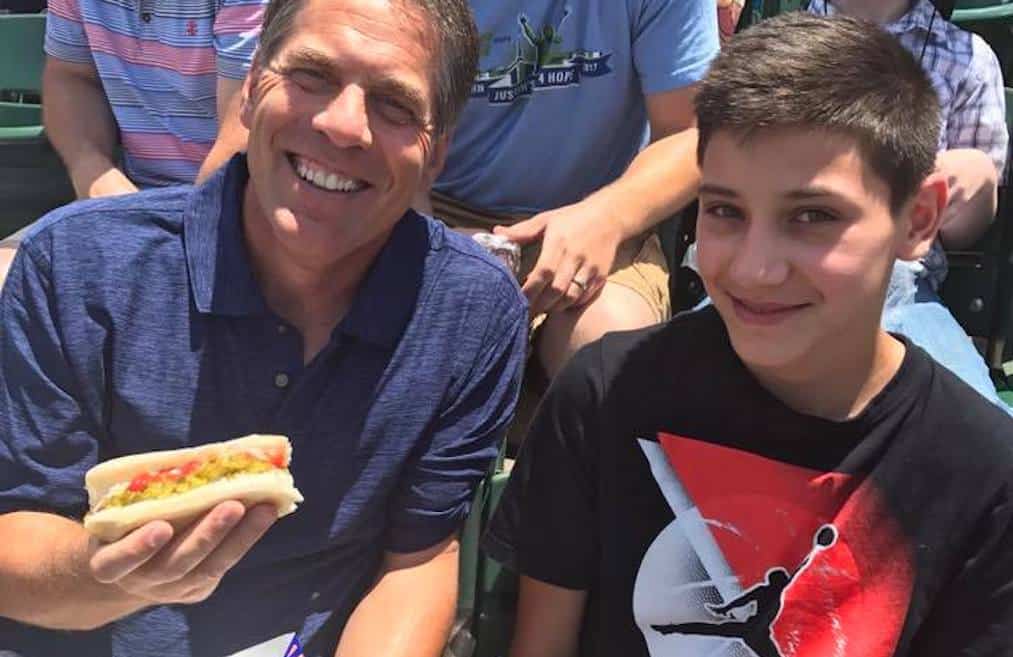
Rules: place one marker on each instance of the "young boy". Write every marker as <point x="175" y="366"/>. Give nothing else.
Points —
<point x="776" y="475"/>
<point x="973" y="144"/>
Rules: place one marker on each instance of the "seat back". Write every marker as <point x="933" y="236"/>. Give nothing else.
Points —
<point x="487" y="592"/>
<point x="32" y="177"/>
<point x="21" y="54"/>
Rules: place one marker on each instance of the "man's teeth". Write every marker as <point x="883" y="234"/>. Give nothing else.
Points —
<point x="329" y="181"/>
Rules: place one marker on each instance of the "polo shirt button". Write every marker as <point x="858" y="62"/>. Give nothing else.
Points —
<point x="146" y="17"/>
<point x="281" y="380"/>
<point x="282" y="329"/>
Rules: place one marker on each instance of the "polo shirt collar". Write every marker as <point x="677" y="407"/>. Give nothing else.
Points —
<point x="221" y="276"/>
<point x="390" y="292"/>
<point x="222" y="280"/>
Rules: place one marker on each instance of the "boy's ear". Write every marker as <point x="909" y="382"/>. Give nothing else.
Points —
<point x="922" y="217"/>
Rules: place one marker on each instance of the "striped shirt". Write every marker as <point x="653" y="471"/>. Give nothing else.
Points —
<point x="159" y="62"/>
<point x="968" y="80"/>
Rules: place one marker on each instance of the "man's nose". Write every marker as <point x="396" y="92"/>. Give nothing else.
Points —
<point x="759" y="259"/>
<point x="345" y="119"/>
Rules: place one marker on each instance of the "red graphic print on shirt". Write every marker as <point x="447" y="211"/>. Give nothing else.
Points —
<point x="768" y="559"/>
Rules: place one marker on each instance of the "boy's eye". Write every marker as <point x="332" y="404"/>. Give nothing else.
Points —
<point x="815" y="216"/>
<point x="722" y="211"/>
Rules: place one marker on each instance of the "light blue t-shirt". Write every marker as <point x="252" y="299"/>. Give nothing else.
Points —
<point x="558" y="108"/>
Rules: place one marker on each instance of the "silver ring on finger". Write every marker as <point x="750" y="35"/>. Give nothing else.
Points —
<point x="582" y="284"/>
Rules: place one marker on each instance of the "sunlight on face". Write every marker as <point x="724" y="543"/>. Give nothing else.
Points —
<point x="795" y="243"/>
<point x="340" y="128"/>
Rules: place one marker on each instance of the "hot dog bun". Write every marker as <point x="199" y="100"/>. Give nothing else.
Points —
<point x="110" y="523"/>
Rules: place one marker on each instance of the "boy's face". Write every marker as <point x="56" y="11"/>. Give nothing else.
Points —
<point x="796" y="243"/>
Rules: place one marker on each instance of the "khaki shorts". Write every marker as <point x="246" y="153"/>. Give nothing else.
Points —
<point x="640" y="263"/>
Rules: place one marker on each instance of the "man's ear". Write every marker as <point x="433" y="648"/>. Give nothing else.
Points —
<point x="437" y="158"/>
<point x="922" y="217"/>
<point x="246" y="98"/>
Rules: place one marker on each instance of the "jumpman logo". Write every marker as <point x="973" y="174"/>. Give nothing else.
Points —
<point x="544" y="40"/>
<point x="768" y="597"/>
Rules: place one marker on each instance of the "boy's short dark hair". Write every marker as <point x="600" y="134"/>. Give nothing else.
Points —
<point x="836" y="74"/>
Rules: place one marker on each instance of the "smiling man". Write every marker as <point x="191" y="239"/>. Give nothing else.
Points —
<point x="294" y="292"/>
<point x="776" y="475"/>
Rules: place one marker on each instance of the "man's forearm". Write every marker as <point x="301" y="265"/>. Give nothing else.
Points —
<point x="660" y="181"/>
<point x="232" y="135"/>
<point x="44" y="578"/>
<point x="82" y="129"/>
<point x="408" y="613"/>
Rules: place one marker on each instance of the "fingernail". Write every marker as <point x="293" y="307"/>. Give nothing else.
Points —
<point x="227" y="522"/>
<point x="157" y="538"/>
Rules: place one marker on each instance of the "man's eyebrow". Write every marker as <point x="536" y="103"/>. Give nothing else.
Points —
<point x="310" y="57"/>
<point x="397" y="88"/>
<point x="717" y="190"/>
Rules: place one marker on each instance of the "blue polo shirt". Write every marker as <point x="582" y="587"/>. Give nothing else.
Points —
<point x="135" y="323"/>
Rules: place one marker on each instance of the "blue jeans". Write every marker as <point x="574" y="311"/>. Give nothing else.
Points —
<point x="914" y="310"/>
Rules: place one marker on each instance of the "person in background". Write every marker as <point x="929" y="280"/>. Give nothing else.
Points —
<point x="550" y="153"/>
<point x="728" y="17"/>
<point x="973" y="145"/>
<point x="293" y="292"/>
<point x="143" y="94"/>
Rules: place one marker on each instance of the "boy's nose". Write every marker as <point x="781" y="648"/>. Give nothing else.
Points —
<point x="345" y="119"/>
<point x="759" y="260"/>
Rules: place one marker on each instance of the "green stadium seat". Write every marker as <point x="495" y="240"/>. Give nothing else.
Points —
<point x="21" y="37"/>
<point x="32" y="177"/>
<point x="496" y="599"/>
<point x="973" y="11"/>
<point x="487" y="593"/>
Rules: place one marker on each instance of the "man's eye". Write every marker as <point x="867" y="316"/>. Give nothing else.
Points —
<point x="308" y="79"/>
<point x="395" y="111"/>
<point x="815" y="216"/>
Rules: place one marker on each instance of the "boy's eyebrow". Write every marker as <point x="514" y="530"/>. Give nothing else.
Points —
<point x="717" y="190"/>
<point x="811" y="192"/>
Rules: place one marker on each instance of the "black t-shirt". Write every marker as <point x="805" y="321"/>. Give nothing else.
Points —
<point x="706" y="518"/>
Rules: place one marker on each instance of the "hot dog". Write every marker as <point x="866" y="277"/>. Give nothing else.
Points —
<point x="179" y="485"/>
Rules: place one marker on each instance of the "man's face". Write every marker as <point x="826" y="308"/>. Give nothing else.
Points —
<point x="340" y="129"/>
<point x="796" y="243"/>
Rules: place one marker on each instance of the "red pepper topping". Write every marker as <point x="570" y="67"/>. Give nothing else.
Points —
<point x="278" y="458"/>
<point x="140" y="482"/>
<point x="144" y="479"/>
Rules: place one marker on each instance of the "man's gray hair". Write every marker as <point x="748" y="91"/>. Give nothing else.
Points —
<point x="455" y="41"/>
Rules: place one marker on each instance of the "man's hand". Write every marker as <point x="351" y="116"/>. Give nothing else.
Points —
<point x="973" y="183"/>
<point x="151" y="564"/>
<point x="579" y="245"/>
